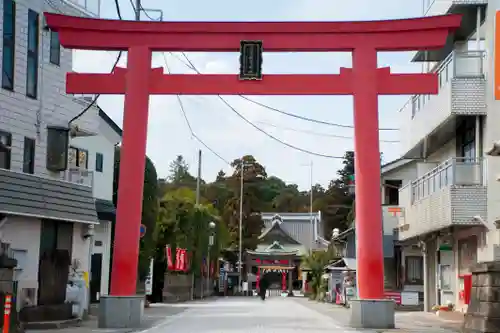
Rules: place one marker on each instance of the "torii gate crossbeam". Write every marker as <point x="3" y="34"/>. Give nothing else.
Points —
<point x="364" y="81"/>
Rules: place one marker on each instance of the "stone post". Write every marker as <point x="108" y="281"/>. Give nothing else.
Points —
<point x="290" y="283"/>
<point x="483" y="312"/>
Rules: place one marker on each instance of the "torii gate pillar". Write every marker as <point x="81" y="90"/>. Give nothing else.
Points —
<point x="364" y="81"/>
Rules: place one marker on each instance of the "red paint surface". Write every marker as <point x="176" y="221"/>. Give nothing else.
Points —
<point x="365" y="82"/>
<point x="273" y="84"/>
<point x="131" y="181"/>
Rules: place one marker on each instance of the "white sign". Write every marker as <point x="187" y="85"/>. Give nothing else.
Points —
<point x="409" y="298"/>
<point x="149" y="279"/>
<point x="245" y="286"/>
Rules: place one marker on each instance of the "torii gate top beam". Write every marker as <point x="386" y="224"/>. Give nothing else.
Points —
<point x="390" y="35"/>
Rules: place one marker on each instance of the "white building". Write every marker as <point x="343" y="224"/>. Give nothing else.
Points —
<point x="449" y="207"/>
<point x="46" y="209"/>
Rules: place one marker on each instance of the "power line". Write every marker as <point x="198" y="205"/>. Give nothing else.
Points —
<point x="260" y="129"/>
<point x="316" y="133"/>
<point x="183" y="110"/>
<point x="188" y="63"/>
<point x="96" y="97"/>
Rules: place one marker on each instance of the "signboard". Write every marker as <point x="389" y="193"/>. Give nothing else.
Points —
<point x="149" y="279"/>
<point x="222" y="274"/>
<point x="143" y="230"/>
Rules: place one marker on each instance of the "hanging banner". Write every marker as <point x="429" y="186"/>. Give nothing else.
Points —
<point x="181" y="259"/>
<point x="168" y="255"/>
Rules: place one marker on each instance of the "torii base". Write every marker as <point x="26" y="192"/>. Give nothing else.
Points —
<point x="372" y="314"/>
<point x="120" y="311"/>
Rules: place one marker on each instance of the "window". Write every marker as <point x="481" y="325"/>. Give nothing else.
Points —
<point x="29" y="155"/>
<point x="414" y="270"/>
<point x="392" y="191"/>
<point x="99" y="161"/>
<point x="57" y="148"/>
<point x="5" y="149"/>
<point x="32" y="63"/>
<point x="9" y="41"/>
<point x="55" y="48"/>
<point x="78" y="158"/>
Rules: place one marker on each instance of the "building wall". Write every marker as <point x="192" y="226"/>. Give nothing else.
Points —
<point x="103" y="235"/>
<point x="26" y="117"/>
<point x="102" y="181"/>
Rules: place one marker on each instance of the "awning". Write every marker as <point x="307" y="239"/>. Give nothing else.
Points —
<point x="106" y="210"/>
<point x="33" y="196"/>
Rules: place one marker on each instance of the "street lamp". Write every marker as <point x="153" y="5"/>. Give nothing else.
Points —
<point x="211" y="227"/>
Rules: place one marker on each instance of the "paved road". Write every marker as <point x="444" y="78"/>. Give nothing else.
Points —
<point x="249" y="315"/>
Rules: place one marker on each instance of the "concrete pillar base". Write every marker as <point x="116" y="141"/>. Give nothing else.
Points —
<point x="120" y="311"/>
<point x="373" y="314"/>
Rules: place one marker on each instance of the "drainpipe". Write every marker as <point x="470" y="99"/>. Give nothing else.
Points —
<point x="478" y="27"/>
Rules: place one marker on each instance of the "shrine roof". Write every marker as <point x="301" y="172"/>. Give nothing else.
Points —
<point x="277" y="247"/>
<point x="273" y="253"/>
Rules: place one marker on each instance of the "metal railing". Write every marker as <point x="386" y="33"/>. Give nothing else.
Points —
<point x="89" y="7"/>
<point x="458" y="64"/>
<point x="430" y="3"/>
<point x="454" y="171"/>
<point x="80" y="176"/>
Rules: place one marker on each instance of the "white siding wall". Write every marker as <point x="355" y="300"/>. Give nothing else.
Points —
<point x="26" y="117"/>
<point x="103" y="181"/>
<point x="23" y="234"/>
<point x="103" y="234"/>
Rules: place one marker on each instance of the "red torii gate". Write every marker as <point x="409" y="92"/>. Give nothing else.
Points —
<point x="364" y="81"/>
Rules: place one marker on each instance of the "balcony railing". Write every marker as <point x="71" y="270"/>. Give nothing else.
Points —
<point x="459" y="64"/>
<point x="88" y="7"/>
<point x="80" y="176"/>
<point x="455" y="171"/>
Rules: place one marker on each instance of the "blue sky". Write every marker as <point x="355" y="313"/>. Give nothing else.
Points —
<point x="230" y="136"/>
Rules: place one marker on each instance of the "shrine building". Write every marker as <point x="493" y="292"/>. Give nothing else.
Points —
<point x="285" y="240"/>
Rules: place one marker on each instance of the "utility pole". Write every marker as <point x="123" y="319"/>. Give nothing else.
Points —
<point x="138" y="7"/>
<point x="198" y="179"/>
<point x="311" y="207"/>
<point x="198" y="190"/>
<point x="240" y="241"/>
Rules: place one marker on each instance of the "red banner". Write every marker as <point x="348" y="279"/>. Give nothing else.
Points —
<point x="395" y="296"/>
<point x="181" y="259"/>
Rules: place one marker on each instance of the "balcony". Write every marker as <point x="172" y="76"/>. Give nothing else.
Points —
<point x="462" y="91"/>
<point x="79" y="176"/>
<point x="469" y="9"/>
<point x="452" y="194"/>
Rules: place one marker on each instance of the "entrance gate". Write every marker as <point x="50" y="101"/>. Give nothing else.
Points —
<point x="364" y="81"/>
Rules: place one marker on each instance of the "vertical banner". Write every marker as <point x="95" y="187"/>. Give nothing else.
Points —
<point x="149" y="279"/>
<point x="168" y="255"/>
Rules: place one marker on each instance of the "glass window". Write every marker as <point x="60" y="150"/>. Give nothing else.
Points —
<point x="29" y="155"/>
<point x="9" y="41"/>
<point x="414" y="270"/>
<point x="55" y="48"/>
<point x="78" y="158"/>
<point x="99" y="162"/>
<point x="5" y="149"/>
<point x="32" y="62"/>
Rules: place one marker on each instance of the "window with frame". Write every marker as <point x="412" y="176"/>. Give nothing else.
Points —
<point x="32" y="59"/>
<point x="99" y="162"/>
<point x="8" y="44"/>
<point x="78" y="158"/>
<point x="55" y="48"/>
<point x="29" y="155"/>
<point x="414" y="266"/>
<point x="5" y="149"/>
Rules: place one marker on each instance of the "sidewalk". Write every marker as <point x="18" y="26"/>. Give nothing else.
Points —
<point x="406" y="322"/>
<point x="153" y="315"/>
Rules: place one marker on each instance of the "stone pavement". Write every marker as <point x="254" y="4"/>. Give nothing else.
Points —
<point x="250" y="315"/>
<point x="406" y="322"/>
<point x="157" y="313"/>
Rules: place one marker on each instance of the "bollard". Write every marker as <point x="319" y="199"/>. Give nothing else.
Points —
<point x="6" y="313"/>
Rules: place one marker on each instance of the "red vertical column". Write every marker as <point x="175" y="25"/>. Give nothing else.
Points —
<point x="131" y="179"/>
<point x="369" y="251"/>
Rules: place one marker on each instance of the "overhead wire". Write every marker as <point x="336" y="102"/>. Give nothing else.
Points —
<point x="188" y="63"/>
<point x="118" y="58"/>
<point x="188" y="123"/>
<point x="316" y="133"/>
<point x="241" y="116"/>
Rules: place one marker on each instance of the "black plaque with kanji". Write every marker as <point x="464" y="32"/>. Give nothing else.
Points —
<point x="251" y="60"/>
